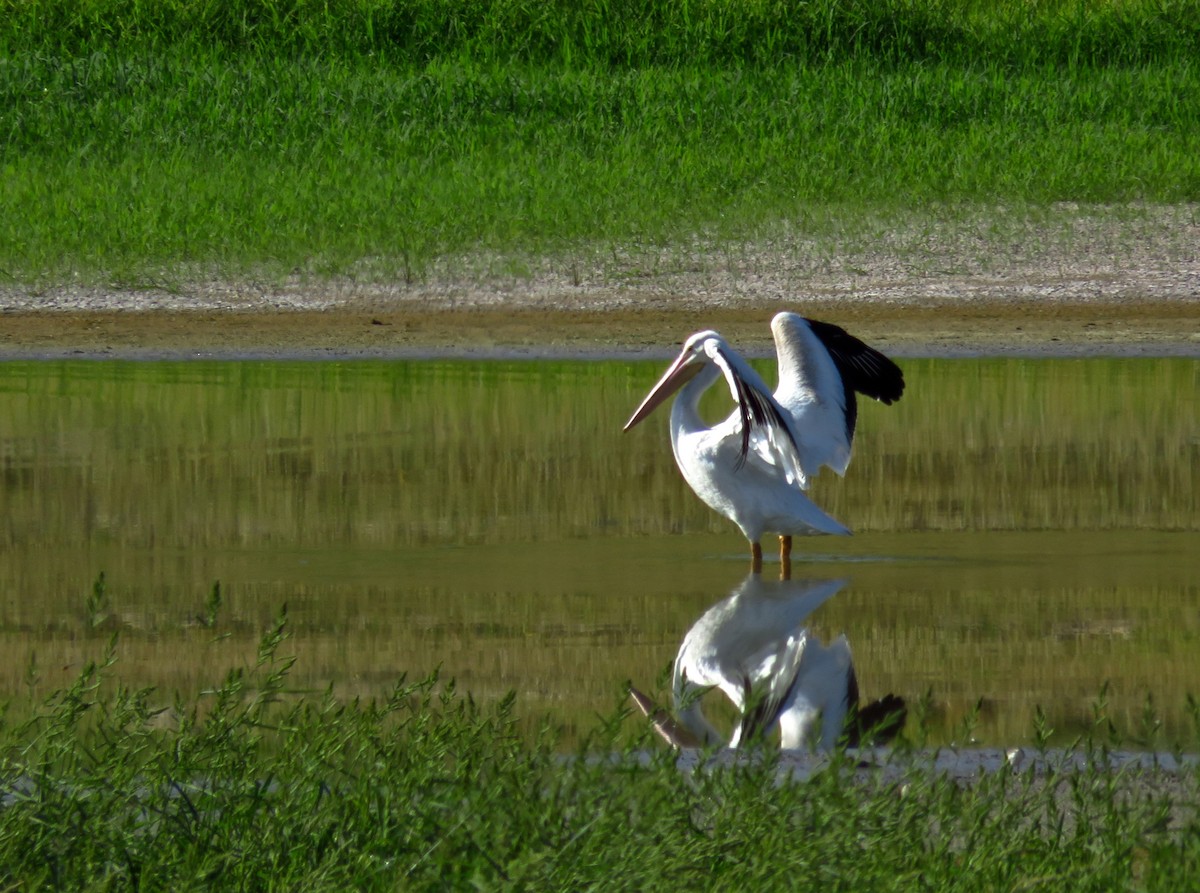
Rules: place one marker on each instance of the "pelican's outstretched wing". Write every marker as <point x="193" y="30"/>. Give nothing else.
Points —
<point x="821" y="368"/>
<point x="862" y="368"/>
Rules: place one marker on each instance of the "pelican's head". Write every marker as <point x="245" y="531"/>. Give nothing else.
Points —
<point x="698" y="351"/>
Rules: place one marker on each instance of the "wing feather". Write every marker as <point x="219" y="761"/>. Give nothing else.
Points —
<point x="765" y="426"/>
<point x="863" y="369"/>
<point x="821" y="370"/>
<point x="766" y="700"/>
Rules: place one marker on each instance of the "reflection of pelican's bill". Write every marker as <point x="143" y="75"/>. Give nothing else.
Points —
<point x="663" y="723"/>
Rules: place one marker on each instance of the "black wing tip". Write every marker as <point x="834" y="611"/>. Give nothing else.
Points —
<point x="892" y="385"/>
<point x="878" y="722"/>
<point x="862" y="367"/>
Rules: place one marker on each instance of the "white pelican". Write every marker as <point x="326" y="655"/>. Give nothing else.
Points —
<point x="754" y="647"/>
<point x="754" y="466"/>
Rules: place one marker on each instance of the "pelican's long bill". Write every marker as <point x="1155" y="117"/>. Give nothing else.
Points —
<point x="683" y="370"/>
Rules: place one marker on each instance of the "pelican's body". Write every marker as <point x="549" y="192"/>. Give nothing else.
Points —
<point x="754" y="466"/>
<point x="755" y="648"/>
<point x="758" y="496"/>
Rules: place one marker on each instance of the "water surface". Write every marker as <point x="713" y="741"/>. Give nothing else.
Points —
<point x="1026" y="532"/>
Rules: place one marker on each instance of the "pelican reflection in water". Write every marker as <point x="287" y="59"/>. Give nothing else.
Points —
<point x="754" y="466"/>
<point x="755" y="648"/>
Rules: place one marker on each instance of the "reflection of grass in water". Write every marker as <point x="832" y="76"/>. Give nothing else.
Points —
<point x="458" y="452"/>
<point x="1024" y="647"/>
<point x="174" y="473"/>
<point x="1032" y="445"/>
<point x="565" y="648"/>
<point x="246" y="787"/>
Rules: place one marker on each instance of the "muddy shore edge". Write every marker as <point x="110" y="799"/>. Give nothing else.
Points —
<point x="1144" y="316"/>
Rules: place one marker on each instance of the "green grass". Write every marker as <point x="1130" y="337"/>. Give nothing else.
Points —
<point x="247" y="787"/>
<point x="159" y="143"/>
<point x="628" y="32"/>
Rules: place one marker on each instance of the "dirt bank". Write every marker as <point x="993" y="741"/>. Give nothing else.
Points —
<point x="1027" y="327"/>
<point x="1090" y="281"/>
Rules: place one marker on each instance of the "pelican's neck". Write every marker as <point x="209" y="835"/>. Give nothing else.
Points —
<point x="686" y="695"/>
<point x="685" y="411"/>
<point x="693" y="719"/>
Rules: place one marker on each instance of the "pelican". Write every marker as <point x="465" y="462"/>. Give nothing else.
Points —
<point x="754" y="466"/>
<point x="754" y="647"/>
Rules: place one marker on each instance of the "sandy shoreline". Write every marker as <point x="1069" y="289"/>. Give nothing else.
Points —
<point x="1087" y="282"/>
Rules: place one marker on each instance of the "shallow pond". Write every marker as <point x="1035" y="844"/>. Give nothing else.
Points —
<point x="1027" y="533"/>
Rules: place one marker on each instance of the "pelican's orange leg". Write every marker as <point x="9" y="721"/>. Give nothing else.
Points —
<point x="785" y="557"/>
<point x="755" y="558"/>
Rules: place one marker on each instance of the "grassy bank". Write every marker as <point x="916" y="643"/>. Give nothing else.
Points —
<point x="245" y="787"/>
<point x="154" y="143"/>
